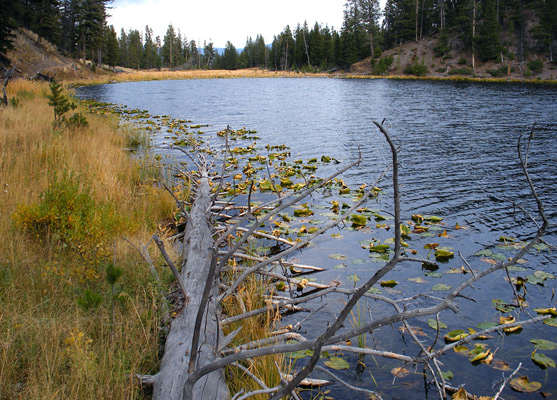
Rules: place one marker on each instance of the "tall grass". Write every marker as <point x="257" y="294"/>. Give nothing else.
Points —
<point x="79" y="310"/>
<point x="52" y="345"/>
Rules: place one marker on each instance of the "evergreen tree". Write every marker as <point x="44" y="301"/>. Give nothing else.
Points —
<point x="7" y="24"/>
<point x="112" y="48"/>
<point x="487" y="41"/>
<point x="230" y="57"/>
<point x="368" y="14"/>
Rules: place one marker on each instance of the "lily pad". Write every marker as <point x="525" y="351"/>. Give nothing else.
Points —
<point x="542" y="360"/>
<point x="441" y="287"/>
<point x="358" y="220"/>
<point x="543" y="344"/>
<point x="389" y="283"/>
<point x="353" y="278"/>
<point x="524" y="385"/>
<point x="400" y="372"/>
<point x="374" y="291"/>
<point x="339" y="266"/>
<point x="456" y="335"/>
<point x="433" y="324"/>
<point x="434" y="274"/>
<point x="337" y="363"/>
<point x="337" y="256"/>
<point x="551" y="322"/>
<point x="447" y="375"/>
<point x="543" y="275"/>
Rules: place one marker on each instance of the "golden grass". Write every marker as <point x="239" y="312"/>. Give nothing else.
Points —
<point x="50" y="347"/>
<point x="250" y="296"/>
<point x="54" y="342"/>
<point x="154" y="75"/>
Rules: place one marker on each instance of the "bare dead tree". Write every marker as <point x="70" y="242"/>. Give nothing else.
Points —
<point x="196" y="352"/>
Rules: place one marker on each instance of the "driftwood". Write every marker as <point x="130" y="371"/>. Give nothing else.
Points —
<point x="7" y="76"/>
<point x="192" y="366"/>
<point x="169" y="382"/>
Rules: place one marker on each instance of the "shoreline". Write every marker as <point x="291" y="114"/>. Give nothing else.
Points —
<point x="151" y="75"/>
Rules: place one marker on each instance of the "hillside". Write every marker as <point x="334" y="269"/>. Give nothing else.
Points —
<point x="456" y="62"/>
<point x="32" y="56"/>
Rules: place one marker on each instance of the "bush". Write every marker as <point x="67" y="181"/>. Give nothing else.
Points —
<point x="462" y="61"/>
<point x="416" y="69"/>
<point x="381" y="66"/>
<point x="68" y="215"/>
<point x="461" y="71"/>
<point x="497" y="73"/>
<point x="536" y="66"/>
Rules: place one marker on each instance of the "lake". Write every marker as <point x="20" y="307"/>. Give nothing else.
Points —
<point x="457" y="148"/>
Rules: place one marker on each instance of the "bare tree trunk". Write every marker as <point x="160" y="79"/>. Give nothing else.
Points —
<point x="168" y="384"/>
<point x="474" y="37"/>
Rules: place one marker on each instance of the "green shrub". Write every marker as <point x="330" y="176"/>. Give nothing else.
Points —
<point x="417" y="69"/>
<point x="462" y="61"/>
<point x="536" y="66"/>
<point x="382" y="65"/>
<point x="497" y="73"/>
<point x="67" y="215"/>
<point x="461" y="71"/>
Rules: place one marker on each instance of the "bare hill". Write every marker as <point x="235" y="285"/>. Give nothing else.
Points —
<point x="455" y="62"/>
<point x="32" y="56"/>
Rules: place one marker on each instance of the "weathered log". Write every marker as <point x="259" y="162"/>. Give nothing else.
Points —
<point x="168" y="384"/>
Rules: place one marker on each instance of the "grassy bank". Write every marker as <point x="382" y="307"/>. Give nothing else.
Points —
<point x="154" y="75"/>
<point x="79" y="311"/>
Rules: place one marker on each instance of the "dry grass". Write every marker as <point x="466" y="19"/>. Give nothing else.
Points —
<point x="56" y="342"/>
<point x="50" y="346"/>
<point x="250" y="296"/>
<point x="154" y="75"/>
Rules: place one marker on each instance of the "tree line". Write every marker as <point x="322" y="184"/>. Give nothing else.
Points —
<point x="486" y="29"/>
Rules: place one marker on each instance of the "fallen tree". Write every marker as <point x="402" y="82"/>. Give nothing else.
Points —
<point x="196" y="352"/>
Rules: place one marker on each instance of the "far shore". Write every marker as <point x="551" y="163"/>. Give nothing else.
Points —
<point x="129" y="75"/>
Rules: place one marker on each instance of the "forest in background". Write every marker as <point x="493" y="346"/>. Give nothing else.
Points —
<point x="485" y="30"/>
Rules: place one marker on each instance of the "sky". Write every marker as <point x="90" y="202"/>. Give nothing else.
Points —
<point x="220" y="21"/>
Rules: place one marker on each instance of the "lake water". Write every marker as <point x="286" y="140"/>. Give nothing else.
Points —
<point x="457" y="147"/>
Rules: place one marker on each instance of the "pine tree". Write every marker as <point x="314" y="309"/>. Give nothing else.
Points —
<point x="487" y="41"/>
<point x="7" y="24"/>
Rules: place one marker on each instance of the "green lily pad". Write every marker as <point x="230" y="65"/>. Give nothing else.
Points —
<point x="337" y="256"/>
<point x="502" y="306"/>
<point x="543" y="344"/>
<point x="389" y="283"/>
<point x="550" y="322"/>
<point x="359" y="261"/>
<point x="486" y="325"/>
<point x="358" y="220"/>
<point x="379" y="248"/>
<point x="339" y="266"/>
<point x="456" y="335"/>
<point x="433" y="324"/>
<point x="353" y="278"/>
<point x="542" y="360"/>
<point x="441" y="287"/>
<point x="434" y="274"/>
<point x="374" y="291"/>
<point x="337" y="363"/>
<point x="447" y="375"/>
<point x="543" y="275"/>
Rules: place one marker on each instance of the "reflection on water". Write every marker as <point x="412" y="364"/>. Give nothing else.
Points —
<point x="457" y="146"/>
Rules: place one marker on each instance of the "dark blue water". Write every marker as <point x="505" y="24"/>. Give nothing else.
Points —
<point x="457" y="147"/>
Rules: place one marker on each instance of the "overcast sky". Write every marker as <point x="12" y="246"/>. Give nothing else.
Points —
<point x="224" y="20"/>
